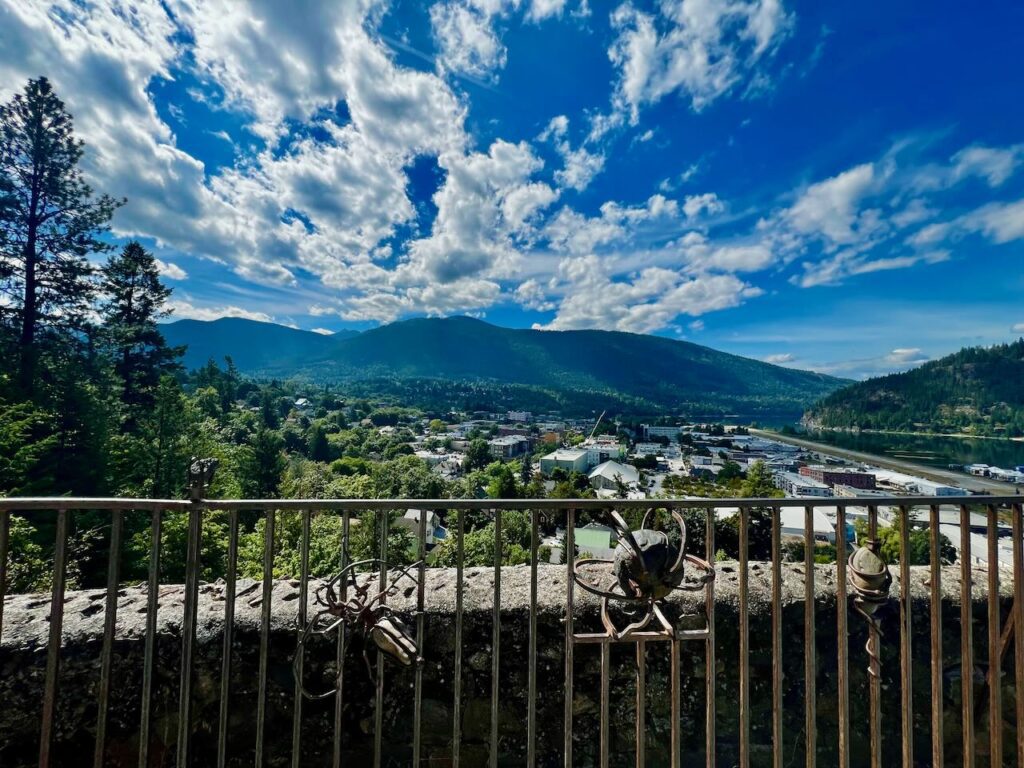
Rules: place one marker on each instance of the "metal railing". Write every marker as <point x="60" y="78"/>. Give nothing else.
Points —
<point x="998" y="633"/>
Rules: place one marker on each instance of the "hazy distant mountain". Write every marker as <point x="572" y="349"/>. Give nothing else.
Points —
<point x="980" y="389"/>
<point x="652" y="369"/>
<point x="253" y="345"/>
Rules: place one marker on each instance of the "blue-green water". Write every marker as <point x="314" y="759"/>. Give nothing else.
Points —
<point x="927" y="449"/>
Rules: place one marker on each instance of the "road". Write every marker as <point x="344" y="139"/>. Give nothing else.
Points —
<point x="946" y="476"/>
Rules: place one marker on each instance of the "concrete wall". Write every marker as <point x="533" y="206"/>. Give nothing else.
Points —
<point x="22" y="661"/>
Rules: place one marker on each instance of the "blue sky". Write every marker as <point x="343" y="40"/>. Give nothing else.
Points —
<point x="833" y="186"/>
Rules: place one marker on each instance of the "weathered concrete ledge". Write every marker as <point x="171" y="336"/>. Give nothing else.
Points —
<point x="26" y="627"/>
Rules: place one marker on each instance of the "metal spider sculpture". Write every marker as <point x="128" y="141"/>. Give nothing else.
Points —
<point x="360" y="608"/>
<point x="647" y="566"/>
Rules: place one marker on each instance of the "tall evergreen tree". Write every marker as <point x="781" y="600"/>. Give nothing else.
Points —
<point x="136" y="299"/>
<point x="49" y="222"/>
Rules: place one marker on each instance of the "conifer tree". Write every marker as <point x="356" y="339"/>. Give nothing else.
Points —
<point x="136" y="300"/>
<point x="50" y="222"/>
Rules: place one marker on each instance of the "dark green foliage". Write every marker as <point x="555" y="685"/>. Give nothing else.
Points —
<point x="977" y="390"/>
<point x="918" y="538"/>
<point x="49" y="223"/>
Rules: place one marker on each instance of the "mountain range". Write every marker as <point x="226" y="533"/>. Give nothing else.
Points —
<point x="978" y="390"/>
<point x="649" y="372"/>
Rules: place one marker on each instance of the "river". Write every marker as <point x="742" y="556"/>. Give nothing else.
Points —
<point x="930" y="450"/>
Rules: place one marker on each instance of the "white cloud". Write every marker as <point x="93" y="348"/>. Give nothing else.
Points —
<point x="698" y="48"/>
<point x="1000" y="222"/>
<point x="185" y="309"/>
<point x="1018" y="328"/>
<point x="694" y="205"/>
<point x="170" y="271"/>
<point x="466" y="40"/>
<point x="779" y="359"/>
<point x="830" y="208"/>
<point x="322" y="331"/>
<point x="580" y="164"/>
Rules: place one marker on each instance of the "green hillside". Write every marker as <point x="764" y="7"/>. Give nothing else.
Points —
<point x="633" y="371"/>
<point x="978" y="390"/>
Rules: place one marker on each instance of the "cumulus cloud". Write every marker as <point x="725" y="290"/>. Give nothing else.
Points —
<point x="780" y="359"/>
<point x="697" y="48"/>
<point x="185" y="309"/>
<point x="580" y="164"/>
<point x="170" y="270"/>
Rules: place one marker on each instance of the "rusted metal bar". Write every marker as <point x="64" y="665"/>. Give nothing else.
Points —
<point x="906" y="629"/>
<point x="152" y="606"/>
<point x="229" y="633"/>
<point x="268" y="593"/>
<point x="875" y="676"/>
<point x="339" y="697"/>
<point x="5" y="528"/>
<point x="457" y="704"/>
<point x="60" y="554"/>
<point x="606" y="671"/>
<point x="744" y="629"/>
<point x="1018" y="624"/>
<point x="531" y="692"/>
<point x="378" y="704"/>
<point x="995" y="693"/>
<point x="496" y="640"/>
<point x="109" y="625"/>
<point x="966" y="638"/>
<point x="935" y="612"/>
<point x="188" y="632"/>
<point x="810" y="649"/>
<point x="842" y="642"/>
<point x="303" y="614"/>
<point x="641" y="704"/>
<point x="417" y="724"/>
<point x="710" y="674"/>
<point x="777" y="752"/>
<point x="570" y="555"/>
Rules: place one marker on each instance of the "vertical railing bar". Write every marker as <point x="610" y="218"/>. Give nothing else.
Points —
<point x="1018" y="624"/>
<point x="53" y="646"/>
<point x="777" y="754"/>
<point x="874" y="678"/>
<point x="496" y="640"/>
<point x="268" y="593"/>
<point x="995" y="698"/>
<point x="810" y="649"/>
<point x="302" y="618"/>
<point x="744" y="629"/>
<point x="641" y="704"/>
<point x="5" y="528"/>
<point x="382" y="584"/>
<point x="417" y="724"/>
<point x="935" y="618"/>
<point x="606" y="666"/>
<point x="531" y="713"/>
<point x="339" y="697"/>
<point x="109" y="625"/>
<point x="842" y="641"/>
<point x="457" y="704"/>
<point x="188" y="632"/>
<point x="152" y="606"/>
<point x="966" y="638"/>
<point x="906" y="629"/>
<point x="569" y="552"/>
<point x="710" y="676"/>
<point x="229" y="635"/>
<point x="674" y="707"/>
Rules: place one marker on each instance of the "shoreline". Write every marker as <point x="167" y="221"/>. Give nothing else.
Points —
<point x="948" y="477"/>
<point x="959" y="435"/>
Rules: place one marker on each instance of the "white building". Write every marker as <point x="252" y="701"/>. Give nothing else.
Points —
<point x="608" y="475"/>
<point x="792" y="522"/>
<point x="519" y="416"/>
<point x="655" y="431"/>
<point x="800" y="485"/>
<point x="930" y="488"/>
<point x="601" y="449"/>
<point x="435" y="531"/>
<point x="569" y="459"/>
<point x="508" y="446"/>
<point x="669" y="451"/>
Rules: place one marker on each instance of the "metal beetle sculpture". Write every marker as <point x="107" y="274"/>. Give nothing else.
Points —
<point x="646" y="567"/>
<point x="361" y="608"/>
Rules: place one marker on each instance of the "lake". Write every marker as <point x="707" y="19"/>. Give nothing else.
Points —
<point x="927" y="449"/>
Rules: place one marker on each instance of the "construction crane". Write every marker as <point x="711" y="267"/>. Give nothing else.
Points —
<point x="594" y="430"/>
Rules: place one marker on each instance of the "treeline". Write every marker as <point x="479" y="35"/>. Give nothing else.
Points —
<point x="977" y="390"/>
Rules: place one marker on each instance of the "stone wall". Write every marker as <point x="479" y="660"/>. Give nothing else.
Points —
<point x="23" y="657"/>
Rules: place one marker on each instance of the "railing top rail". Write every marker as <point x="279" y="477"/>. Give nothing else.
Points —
<point x="28" y="504"/>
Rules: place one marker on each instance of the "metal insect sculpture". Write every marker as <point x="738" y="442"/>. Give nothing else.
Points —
<point x="360" y="606"/>
<point x="647" y="566"/>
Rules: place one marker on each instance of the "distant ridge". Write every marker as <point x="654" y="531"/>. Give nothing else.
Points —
<point x="659" y="372"/>
<point x="978" y="389"/>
